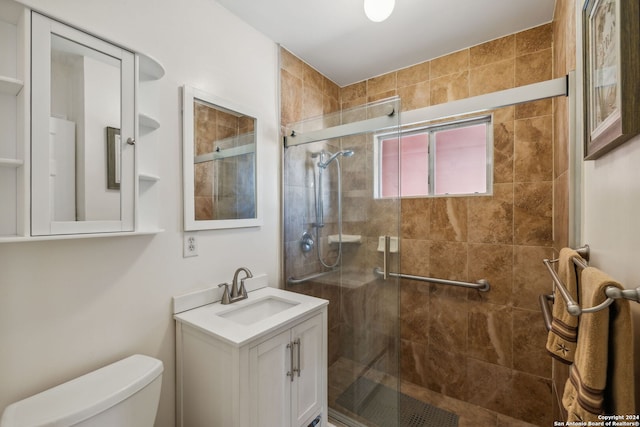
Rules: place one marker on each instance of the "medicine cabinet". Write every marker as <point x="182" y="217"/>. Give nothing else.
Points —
<point x="77" y="161"/>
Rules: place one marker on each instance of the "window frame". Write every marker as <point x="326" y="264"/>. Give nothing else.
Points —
<point x="431" y="131"/>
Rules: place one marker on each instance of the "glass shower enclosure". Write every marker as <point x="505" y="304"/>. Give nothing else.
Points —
<point x="341" y="243"/>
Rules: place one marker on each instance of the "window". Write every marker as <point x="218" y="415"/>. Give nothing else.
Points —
<point x="447" y="159"/>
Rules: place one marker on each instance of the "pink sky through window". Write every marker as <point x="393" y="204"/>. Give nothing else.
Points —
<point x="460" y="163"/>
<point x="461" y="160"/>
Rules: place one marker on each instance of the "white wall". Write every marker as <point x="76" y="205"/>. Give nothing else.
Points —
<point x="70" y="306"/>
<point x="611" y="222"/>
<point x="612" y="212"/>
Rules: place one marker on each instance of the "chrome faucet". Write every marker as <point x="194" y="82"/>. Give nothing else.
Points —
<point x="235" y="294"/>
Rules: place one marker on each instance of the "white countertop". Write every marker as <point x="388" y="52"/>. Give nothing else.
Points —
<point x="208" y="320"/>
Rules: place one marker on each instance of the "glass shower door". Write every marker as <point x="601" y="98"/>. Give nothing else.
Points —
<point x="335" y="224"/>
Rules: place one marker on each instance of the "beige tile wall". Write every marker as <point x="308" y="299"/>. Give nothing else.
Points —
<point x="564" y="60"/>
<point x="487" y="349"/>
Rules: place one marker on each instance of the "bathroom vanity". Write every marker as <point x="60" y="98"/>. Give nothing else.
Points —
<point x="258" y="362"/>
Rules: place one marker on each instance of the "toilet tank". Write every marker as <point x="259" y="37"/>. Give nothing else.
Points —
<point x="123" y="394"/>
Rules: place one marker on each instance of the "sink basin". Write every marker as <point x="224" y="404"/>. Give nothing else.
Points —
<point x="254" y="311"/>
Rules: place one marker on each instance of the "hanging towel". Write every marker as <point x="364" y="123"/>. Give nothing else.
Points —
<point x="563" y="336"/>
<point x="601" y="378"/>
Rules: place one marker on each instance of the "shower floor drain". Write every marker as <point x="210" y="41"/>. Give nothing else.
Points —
<point x="385" y="407"/>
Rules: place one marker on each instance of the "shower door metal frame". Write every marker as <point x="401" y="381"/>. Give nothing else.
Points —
<point x="474" y="104"/>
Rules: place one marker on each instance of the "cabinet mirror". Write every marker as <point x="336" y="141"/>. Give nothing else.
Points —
<point x="219" y="155"/>
<point x="82" y="132"/>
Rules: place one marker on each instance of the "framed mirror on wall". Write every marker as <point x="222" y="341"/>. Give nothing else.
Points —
<point x="220" y="152"/>
<point x="83" y="175"/>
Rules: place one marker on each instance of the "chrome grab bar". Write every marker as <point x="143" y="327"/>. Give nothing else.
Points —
<point x="482" y="285"/>
<point x="295" y="281"/>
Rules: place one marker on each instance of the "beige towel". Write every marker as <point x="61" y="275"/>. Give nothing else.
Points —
<point x="601" y="379"/>
<point x="563" y="336"/>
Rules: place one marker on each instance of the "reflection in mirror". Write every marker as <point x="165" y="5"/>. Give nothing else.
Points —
<point x="85" y="96"/>
<point x="224" y="144"/>
<point x="220" y="164"/>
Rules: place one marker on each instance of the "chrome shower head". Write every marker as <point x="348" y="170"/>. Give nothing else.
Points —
<point x="332" y="157"/>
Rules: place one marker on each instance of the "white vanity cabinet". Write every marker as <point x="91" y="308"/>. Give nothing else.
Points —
<point x="277" y="378"/>
<point x="289" y="396"/>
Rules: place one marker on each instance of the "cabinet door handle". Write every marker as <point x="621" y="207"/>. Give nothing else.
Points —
<point x="296" y="342"/>
<point x="292" y="371"/>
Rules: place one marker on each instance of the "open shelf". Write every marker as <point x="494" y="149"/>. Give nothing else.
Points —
<point x="10" y="85"/>
<point x="17" y="239"/>
<point x="148" y="121"/>
<point x="148" y="177"/>
<point x="150" y="69"/>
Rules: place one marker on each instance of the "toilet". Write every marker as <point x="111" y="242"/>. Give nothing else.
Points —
<point x="124" y="394"/>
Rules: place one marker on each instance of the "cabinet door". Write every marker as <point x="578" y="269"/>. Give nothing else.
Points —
<point x="309" y="359"/>
<point x="90" y="82"/>
<point x="270" y="387"/>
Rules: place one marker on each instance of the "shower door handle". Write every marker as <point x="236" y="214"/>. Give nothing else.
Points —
<point x="385" y="257"/>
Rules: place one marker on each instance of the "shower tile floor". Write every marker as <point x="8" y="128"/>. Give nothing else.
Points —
<point x="345" y="371"/>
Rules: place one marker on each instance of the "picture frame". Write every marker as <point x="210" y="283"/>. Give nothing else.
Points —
<point x="611" y="66"/>
<point x="113" y="158"/>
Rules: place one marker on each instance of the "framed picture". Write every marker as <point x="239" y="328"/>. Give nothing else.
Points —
<point x="113" y="158"/>
<point x="611" y="66"/>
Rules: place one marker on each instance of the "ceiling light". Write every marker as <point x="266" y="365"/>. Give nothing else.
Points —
<point x="378" y="10"/>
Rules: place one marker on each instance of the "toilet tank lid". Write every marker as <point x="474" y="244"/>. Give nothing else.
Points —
<point x="85" y="396"/>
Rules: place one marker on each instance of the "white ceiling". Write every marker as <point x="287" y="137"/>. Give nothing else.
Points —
<point x="336" y="38"/>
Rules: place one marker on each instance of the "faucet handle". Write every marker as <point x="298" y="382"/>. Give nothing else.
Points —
<point x="243" y="290"/>
<point x="226" y="299"/>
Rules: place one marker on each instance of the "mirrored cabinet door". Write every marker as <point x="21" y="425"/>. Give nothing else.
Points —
<point x="83" y="140"/>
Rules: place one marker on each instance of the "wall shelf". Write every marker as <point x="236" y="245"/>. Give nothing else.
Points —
<point x="148" y="193"/>
<point x="150" y="69"/>
<point x="148" y="121"/>
<point x="10" y="85"/>
<point x="11" y="163"/>
<point x="18" y="239"/>
<point x="148" y="177"/>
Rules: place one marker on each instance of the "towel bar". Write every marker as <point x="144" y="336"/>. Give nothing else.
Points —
<point x="573" y="308"/>
<point x="544" y="301"/>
